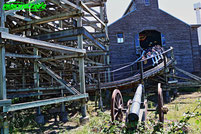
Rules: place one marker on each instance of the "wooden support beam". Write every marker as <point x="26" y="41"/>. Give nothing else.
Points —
<point x="5" y="102"/>
<point x="41" y="44"/>
<point x="33" y="104"/>
<point x="57" y="2"/>
<point x="43" y="29"/>
<point x="189" y="74"/>
<point x="71" y="4"/>
<point x="86" y="22"/>
<point x="67" y="35"/>
<point x="94" y="4"/>
<point x="81" y="69"/>
<point x="21" y="17"/>
<point x="92" y="14"/>
<point x="53" y="58"/>
<point x="56" y="17"/>
<point x="12" y="96"/>
<point x="58" y="79"/>
<point x="2" y="74"/>
<point x="35" y="89"/>
<point x="96" y="43"/>
<point x="88" y="61"/>
<point x="71" y="33"/>
<point x="60" y="34"/>
<point x="22" y="55"/>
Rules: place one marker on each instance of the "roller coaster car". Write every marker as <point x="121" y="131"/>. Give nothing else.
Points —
<point x="151" y="62"/>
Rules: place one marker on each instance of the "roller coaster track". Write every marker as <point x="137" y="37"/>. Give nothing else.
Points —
<point x="130" y="81"/>
<point x="136" y="78"/>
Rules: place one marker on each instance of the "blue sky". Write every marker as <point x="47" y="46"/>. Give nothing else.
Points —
<point x="182" y="9"/>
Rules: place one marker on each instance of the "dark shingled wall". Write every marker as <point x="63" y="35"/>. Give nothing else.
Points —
<point x="177" y="34"/>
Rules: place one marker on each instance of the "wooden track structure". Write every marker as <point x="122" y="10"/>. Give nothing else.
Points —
<point x="137" y="78"/>
<point x="125" y="83"/>
<point x="44" y="54"/>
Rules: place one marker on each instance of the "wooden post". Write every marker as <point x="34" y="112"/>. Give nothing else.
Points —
<point x="141" y="73"/>
<point x="167" y="97"/>
<point x="2" y="74"/>
<point x="3" y="17"/>
<point x="172" y="54"/>
<point x="23" y="78"/>
<point x="36" y="76"/>
<point x="81" y="68"/>
<point x="100" y="92"/>
<point x="165" y="68"/>
<point x="3" y="95"/>
<point x="142" y="80"/>
<point x="108" y="63"/>
<point x="63" y="110"/>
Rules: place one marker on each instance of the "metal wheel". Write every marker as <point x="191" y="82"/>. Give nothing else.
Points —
<point x="160" y="103"/>
<point x="117" y="106"/>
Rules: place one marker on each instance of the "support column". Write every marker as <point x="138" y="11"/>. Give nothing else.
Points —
<point x="3" y="17"/>
<point x="3" y="121"/>
<point x="167" y="95"/>
<point x="40" y="117"/>
<point x="4" y="128"/>
<point x="108" y="92"/>
<point x="82" y="72"/>
<point x="100" y="93"/>
<point x="23" y="78"/>
<point x="63" y="114"/>
<point x="2" y="73"/>
<point x="142" y="81"/>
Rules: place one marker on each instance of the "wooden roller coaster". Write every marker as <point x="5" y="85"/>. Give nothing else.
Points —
<point x="61" y="53"/>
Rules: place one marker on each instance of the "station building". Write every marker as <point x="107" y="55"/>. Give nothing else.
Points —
<point x="144" y="24"/>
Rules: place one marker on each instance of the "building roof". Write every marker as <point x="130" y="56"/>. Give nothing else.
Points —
<point x="195" y="25"/>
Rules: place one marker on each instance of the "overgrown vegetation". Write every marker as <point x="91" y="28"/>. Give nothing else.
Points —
<point x="101" y="124"/>
<point x="184" y="116"/>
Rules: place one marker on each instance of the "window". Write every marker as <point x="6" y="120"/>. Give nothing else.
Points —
<point x="120" y="38"/>
<point x="147" y="2"/>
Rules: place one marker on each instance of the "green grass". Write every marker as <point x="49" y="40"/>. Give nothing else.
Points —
<point x="178" y="107"/>
<point x="95" y="125"/>
<point x="99" y="122"/>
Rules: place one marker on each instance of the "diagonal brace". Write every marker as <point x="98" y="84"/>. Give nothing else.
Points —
<point x="58" y="79"/>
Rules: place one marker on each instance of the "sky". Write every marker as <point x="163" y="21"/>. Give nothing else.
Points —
<point x="182" y="9"/>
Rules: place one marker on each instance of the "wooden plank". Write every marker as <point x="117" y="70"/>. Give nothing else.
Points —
<point x="71" y="4"/>
<point x="66" y="35"/>
<point x="97" y="43"/>
<point x="35" y="89"/>
<point x="43" y="20"/>
<point x="11" y="96"/>
<point x="60" y="34"/>
<point x="2" y="73"/>
<point x="90" y="12"/>
<point x="58" y="79"/>
<point x="21" y="17"/>
<point x="189" y="74"/>
<point x="60" y="57"/>
<point x="41" y="44"/>
<point x="56" y="17"/>
<point x="22" y="55"/>
<point x="38" y="103"/>
<point x="69" y="33"/>
<point x="5" y="102"/>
